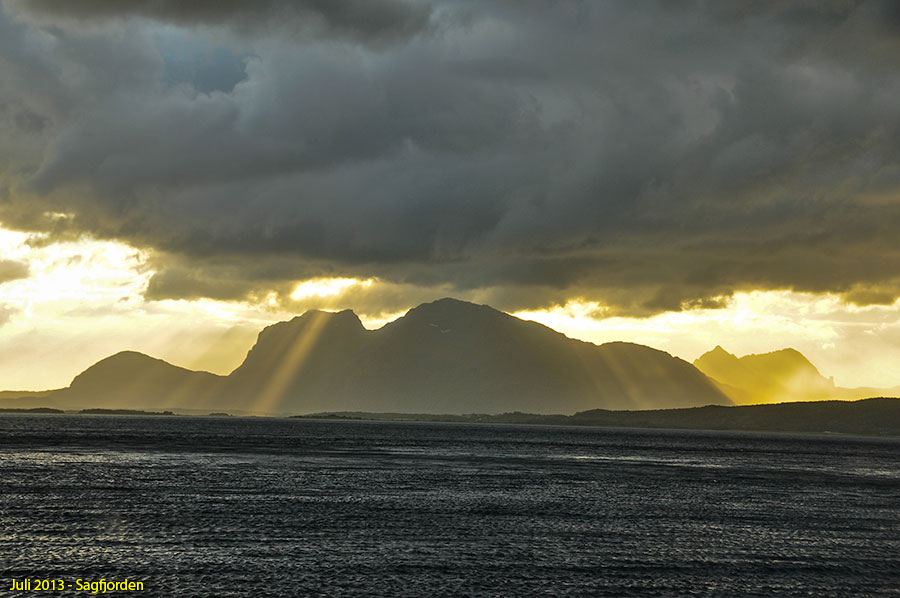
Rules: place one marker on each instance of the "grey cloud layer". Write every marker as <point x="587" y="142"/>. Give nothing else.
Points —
<point x="645" y="154"/>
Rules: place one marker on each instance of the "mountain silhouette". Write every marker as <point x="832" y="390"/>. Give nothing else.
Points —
<point x="131" y="380"/>
<point x="448" y="356"/>
<point x="776" y="377"/>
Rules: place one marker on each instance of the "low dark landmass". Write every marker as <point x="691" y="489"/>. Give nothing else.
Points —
<point x="499" y="418"/>
<point x="32" y="410"/>
<point x="867" y="417"/>
<point x="123" y="412"/>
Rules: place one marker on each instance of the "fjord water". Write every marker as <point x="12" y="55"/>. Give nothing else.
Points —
<point x="267" y="507"/>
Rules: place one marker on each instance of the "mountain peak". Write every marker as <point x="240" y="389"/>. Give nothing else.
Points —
<point x="130" y="355"/>
<point x="449" y="304"/>
<point x="129" y="363"/>
<point x="716" y="355"/>
<point x="129" y="359"/>
<point x="316" y="317"/>
<point x="785" y="360"/>
<point x="448" y="313"/>
<point x="347" y="315"/>
<point x="297" y="339"/>
<point x="787" y="352"/>
<point x="776" y="376"/>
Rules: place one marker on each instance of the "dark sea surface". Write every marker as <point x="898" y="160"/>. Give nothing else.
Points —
<point x="271" y="507"/>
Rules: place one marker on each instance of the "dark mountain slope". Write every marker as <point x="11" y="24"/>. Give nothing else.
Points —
<point x="311" y="358"/>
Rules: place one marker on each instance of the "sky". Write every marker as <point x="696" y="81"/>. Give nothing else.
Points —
<point x="176" y="175"/>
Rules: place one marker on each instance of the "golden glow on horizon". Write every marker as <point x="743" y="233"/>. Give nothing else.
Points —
<point x="858" y="345"/>
<point x="83" y="301"/>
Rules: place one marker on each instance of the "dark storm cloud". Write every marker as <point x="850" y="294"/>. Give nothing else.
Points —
<point x="649" y="155"/>
<point x="370" y="20"/>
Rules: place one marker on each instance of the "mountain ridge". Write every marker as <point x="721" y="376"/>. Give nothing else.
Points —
<point x="443" y="356"/>
<point x="452" y="355"/>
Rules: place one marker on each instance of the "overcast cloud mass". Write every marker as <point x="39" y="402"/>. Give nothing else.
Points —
<point x="647" y="155"/>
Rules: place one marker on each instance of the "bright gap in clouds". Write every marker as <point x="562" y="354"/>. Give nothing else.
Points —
<point x="327" y="287"/>
<point x="83" y="301"/>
